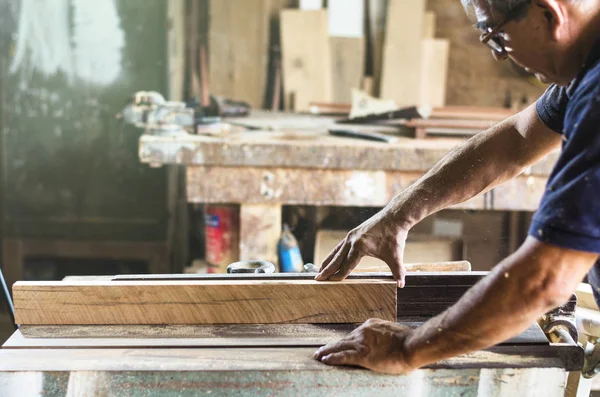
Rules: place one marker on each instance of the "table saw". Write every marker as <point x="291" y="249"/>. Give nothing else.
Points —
<point x="261" y="359"/>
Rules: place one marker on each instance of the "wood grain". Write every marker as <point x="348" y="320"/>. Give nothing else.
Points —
<point x="401" y="73"/>
<point x="306" y="58"/>
<point x="203" y="302"/>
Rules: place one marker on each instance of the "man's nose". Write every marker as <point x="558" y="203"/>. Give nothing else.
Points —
<point x="499" y="56"/>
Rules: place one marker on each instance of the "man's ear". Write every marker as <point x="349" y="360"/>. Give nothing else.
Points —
<point x="554" y="17"/>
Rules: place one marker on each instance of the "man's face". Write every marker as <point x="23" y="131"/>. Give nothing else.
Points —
<point x="527" y="40"/>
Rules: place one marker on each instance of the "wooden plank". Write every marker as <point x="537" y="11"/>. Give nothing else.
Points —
<point x="239" y="38"/>
<point x="347" y="43"/>
<point x="347" y="61"/>
<point x="401" y="75"/>
<point x="273" y="335"/>
<point x="434" y="72"/>
<point x="203" y="302"/>
<point x="306" y="58"/>
<point x="260" y="229"/>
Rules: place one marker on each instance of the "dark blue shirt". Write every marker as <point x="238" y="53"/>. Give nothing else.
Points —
<point x="569" y="213"/>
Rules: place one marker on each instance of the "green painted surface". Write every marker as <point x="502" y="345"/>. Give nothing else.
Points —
<point x="547" y="382"/>
<point x="70" y="168"/>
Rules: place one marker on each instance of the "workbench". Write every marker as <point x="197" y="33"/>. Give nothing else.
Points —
<point x="273" y="359"/>
<point x="288" y="159"/>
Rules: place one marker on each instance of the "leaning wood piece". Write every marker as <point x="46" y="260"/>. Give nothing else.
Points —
<point x="203" y="302"/>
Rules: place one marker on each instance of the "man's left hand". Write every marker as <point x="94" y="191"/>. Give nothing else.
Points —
<point x="376" y="345"/>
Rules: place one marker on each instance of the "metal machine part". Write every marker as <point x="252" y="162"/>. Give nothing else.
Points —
<point x="150" y="110"/>
<point x="6" y="293"/>
<point x="251" y="267"/>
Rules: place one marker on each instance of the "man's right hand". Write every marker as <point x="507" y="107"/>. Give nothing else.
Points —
<point x="379" y="237"/>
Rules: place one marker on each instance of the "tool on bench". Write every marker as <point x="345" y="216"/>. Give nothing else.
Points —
<point x="7" y="298"/>
<point x="370" y="136"/>
<point x="150" y="110"/>
<point x="407" y="113"/>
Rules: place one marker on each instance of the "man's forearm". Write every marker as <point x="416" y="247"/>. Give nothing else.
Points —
<point x="486" y="160"/>
<point x="516" y="293"/>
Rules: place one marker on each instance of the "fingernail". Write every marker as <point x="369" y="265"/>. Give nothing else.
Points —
<point x="326" y="358"/>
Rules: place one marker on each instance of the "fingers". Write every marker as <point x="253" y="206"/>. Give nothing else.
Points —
<point x="331" y="255"/>
<point x="335" y="263"/>
<point x="335" y="347"/>
<point x="349" y="264"/>
<point x="396" y="265"/>
<point x="348" y="357"/>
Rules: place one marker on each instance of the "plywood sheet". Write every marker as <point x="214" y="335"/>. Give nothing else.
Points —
<point x="347" y="61"/>
<point x="434" y="72"/>
<point x="306" y="58"/>
<point x="402" y="52"/>
<point x="203" y="302"/>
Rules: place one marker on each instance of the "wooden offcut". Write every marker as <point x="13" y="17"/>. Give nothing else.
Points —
<point x="203" y="302"/>
<point x="306" y="58"/>
<point x="401" y="74"/>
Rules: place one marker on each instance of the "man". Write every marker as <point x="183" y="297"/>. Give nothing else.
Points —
<point x="559" y="41"/>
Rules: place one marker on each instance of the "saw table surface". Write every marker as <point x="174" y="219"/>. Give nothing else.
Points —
<point x="271" y="359"/>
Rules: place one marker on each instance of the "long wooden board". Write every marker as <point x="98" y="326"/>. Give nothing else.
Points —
<point x="203" y="302"/>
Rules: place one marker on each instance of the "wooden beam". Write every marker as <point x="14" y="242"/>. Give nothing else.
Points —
<point x="203" y="302"/>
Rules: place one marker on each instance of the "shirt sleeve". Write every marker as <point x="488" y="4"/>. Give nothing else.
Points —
<point x="551" y="107"/>
<point x="569" y="214"/>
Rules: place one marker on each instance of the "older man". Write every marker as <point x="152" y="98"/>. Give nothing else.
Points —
<point x="559" y="41"/>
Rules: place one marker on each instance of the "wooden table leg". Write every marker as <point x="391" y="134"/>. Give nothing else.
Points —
<point x="260" y="228"/>
<point x="12" y="261"/>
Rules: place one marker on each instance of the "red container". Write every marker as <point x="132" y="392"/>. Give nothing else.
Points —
<point x="222" y="236"/>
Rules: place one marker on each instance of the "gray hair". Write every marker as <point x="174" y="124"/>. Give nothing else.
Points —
<point x="502" y="6"/>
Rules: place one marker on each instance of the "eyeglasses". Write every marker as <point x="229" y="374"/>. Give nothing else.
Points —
<point x="491" y="38"/>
